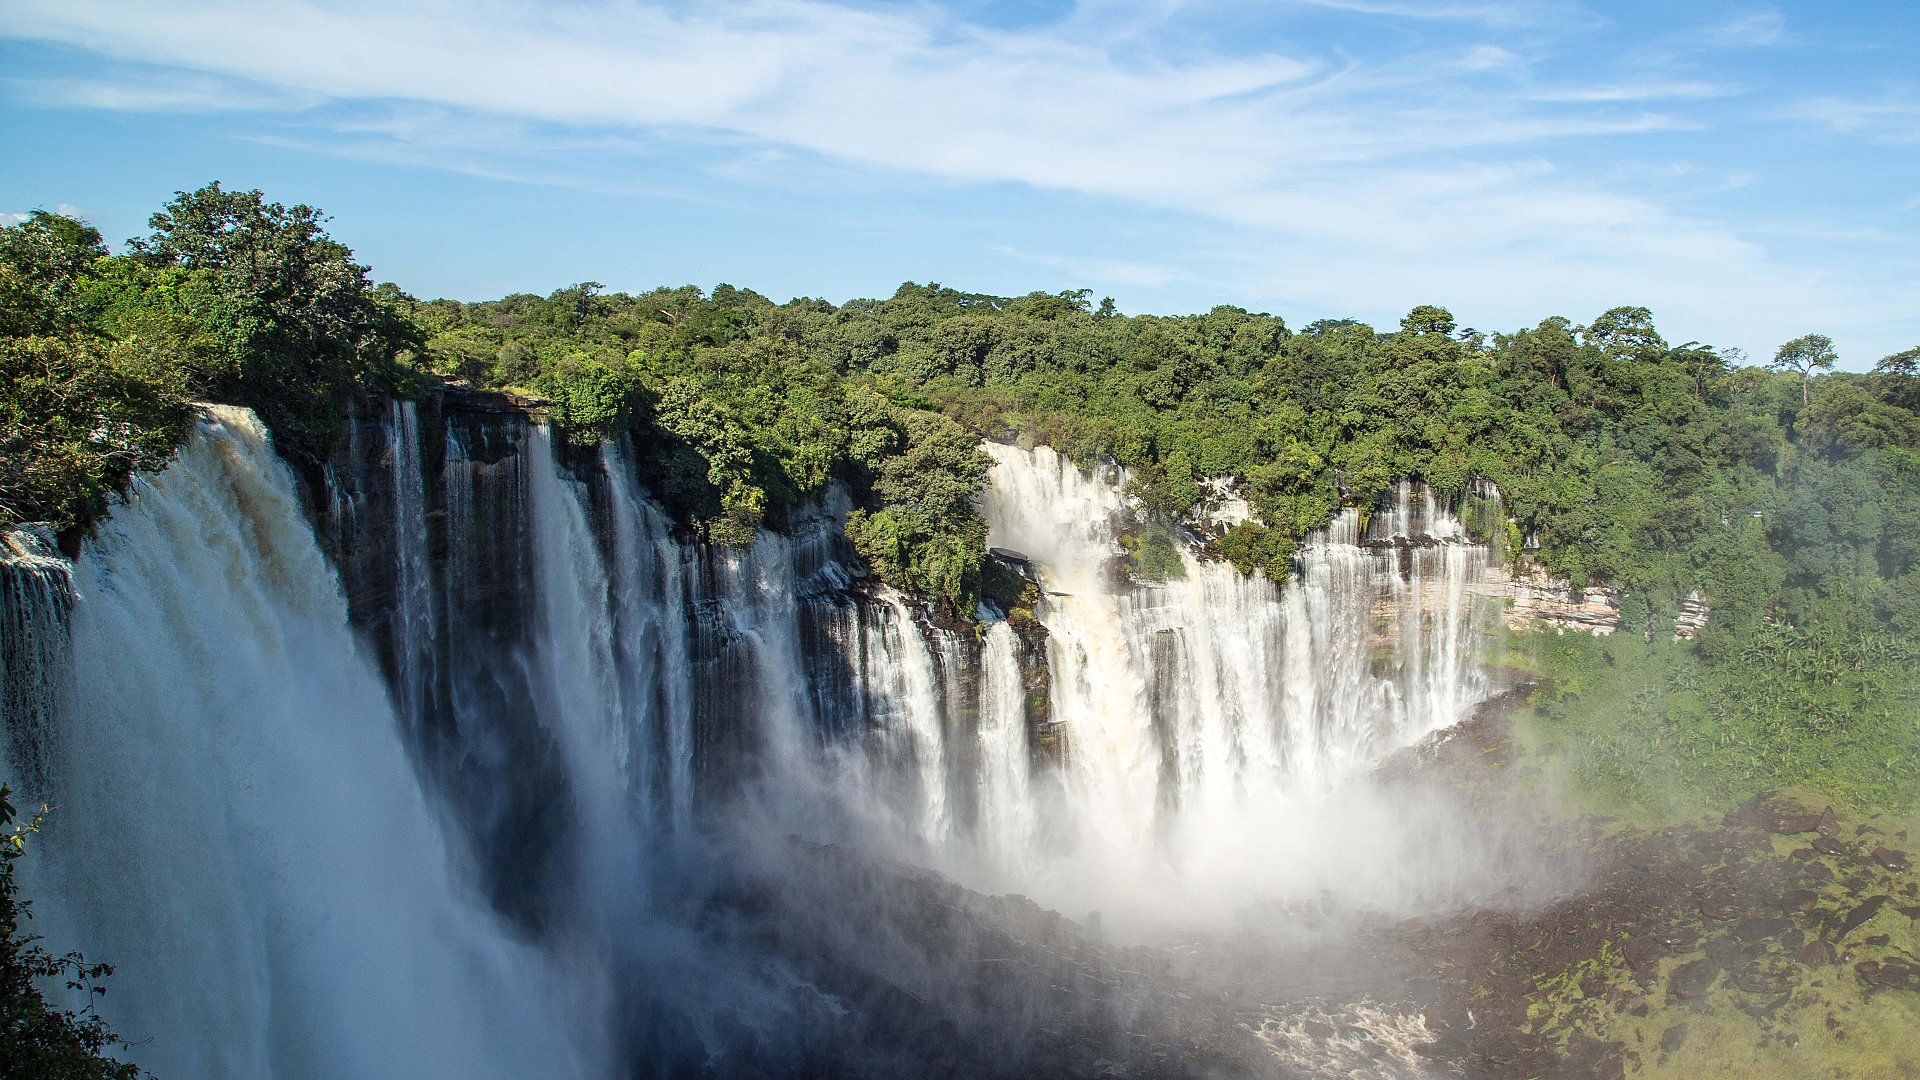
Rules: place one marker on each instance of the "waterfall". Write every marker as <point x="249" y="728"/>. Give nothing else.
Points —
<point x="415" y="615"/>
<point x="36" y="659"/>
<point x="238" y="826"/>
<point x="1006" y="796"/>
<point x="1202" y="711"/>
<point x="466" y="800"/>
<point x="652" y="606"/>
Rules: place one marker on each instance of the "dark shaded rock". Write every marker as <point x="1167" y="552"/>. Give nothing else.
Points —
<point x="1760" y="929"/>
<point x="1816" y="953"/>
<point x="1859" y="916"/>
<point x="1674" y="1038"/>
<point x="1895" y="861"/>
<point x="1827" y="845"/>
<point x="1718" y="908"/>
<point x="1693" y="979"/>
<point x="1829" y="823"/>
<point x="1890" y="974"/>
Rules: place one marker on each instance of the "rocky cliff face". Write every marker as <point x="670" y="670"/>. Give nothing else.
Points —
<point x="1536" y="598"/>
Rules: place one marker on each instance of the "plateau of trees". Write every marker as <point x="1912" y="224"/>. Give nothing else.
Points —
<point x="1789" y="494"/>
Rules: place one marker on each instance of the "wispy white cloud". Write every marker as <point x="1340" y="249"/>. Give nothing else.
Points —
<point x="1647" y="90"/>
<point x="63" y="209"/>
<point x="1752" y="29"/>
<point x="1889" y="118"/>
<point x="1438" y="169"/>
<point x="1490" y="12"/>
<point x="176" y="92"/>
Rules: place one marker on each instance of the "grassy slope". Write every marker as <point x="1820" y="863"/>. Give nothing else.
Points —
<point x="1653" y="737"/>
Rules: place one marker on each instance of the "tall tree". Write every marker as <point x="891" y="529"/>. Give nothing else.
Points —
<point x="1806" y="354"/>
<point x="299" y="325"/>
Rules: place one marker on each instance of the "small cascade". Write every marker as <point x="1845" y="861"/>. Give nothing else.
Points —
<point x="1006" y="818"/>
<point x="36" y="653"/>
<point x="415" y="619"/>
<point x="902" y="667"/>
<point x="651" y="639"/>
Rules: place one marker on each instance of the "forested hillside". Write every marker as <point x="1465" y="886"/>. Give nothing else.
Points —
<point x="1788" y="494"/>
<point x="1626" y="459"/>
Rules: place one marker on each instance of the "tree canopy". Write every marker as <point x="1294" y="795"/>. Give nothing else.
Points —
<point x="1622" y="458"/>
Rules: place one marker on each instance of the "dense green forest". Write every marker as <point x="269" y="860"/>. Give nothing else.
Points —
<point x="1659" y="468"/>
<point x="1787" y="493"/>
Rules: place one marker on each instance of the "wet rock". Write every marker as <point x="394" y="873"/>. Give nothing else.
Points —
<point x="1693" y="979"/>
<point x="1725" y="952"/>
<point x="1859" y="916"/>
<point x="1895" y="861"/>
<point x="1829" y="823"/>
<point x="1816" y="953"/>
<point x="1890" y="974"/>
<point x="1757" y="981"/>
<point x="1774" y="814"/>
<point x="1760" y="929"/>
<point x="1799" y="900"/>
<point x="1642" y="955"/>
<point x="1827" y="845"/>
<point x="1718" y="908"/>
<point x="1674" y="1038"/>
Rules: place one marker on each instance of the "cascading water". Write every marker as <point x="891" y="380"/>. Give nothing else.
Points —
<point x="1208" y="718"/>
<point x="238" y="826"/>
<point x="495" y="860"/>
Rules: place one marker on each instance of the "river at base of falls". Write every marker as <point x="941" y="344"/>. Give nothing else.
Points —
<point x="493" y="775"/>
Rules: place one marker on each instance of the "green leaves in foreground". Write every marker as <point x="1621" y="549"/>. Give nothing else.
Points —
<point x="38" y="1039"/>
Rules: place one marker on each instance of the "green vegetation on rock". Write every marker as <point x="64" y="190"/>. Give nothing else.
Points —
<point x="37" y="1039"/>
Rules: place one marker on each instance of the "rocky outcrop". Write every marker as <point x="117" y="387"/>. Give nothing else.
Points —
<point x="1537" y="598"/>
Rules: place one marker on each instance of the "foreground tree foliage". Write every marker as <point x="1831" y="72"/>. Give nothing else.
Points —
<point x="38" y="1040"/>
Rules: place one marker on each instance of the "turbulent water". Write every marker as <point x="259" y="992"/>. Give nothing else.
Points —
<point x="445" y="765"/>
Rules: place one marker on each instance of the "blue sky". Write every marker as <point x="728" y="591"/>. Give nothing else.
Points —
<point x="1746" y="170"/>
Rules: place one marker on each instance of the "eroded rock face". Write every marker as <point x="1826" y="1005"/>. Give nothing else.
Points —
<point x="1537" y="598"/>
